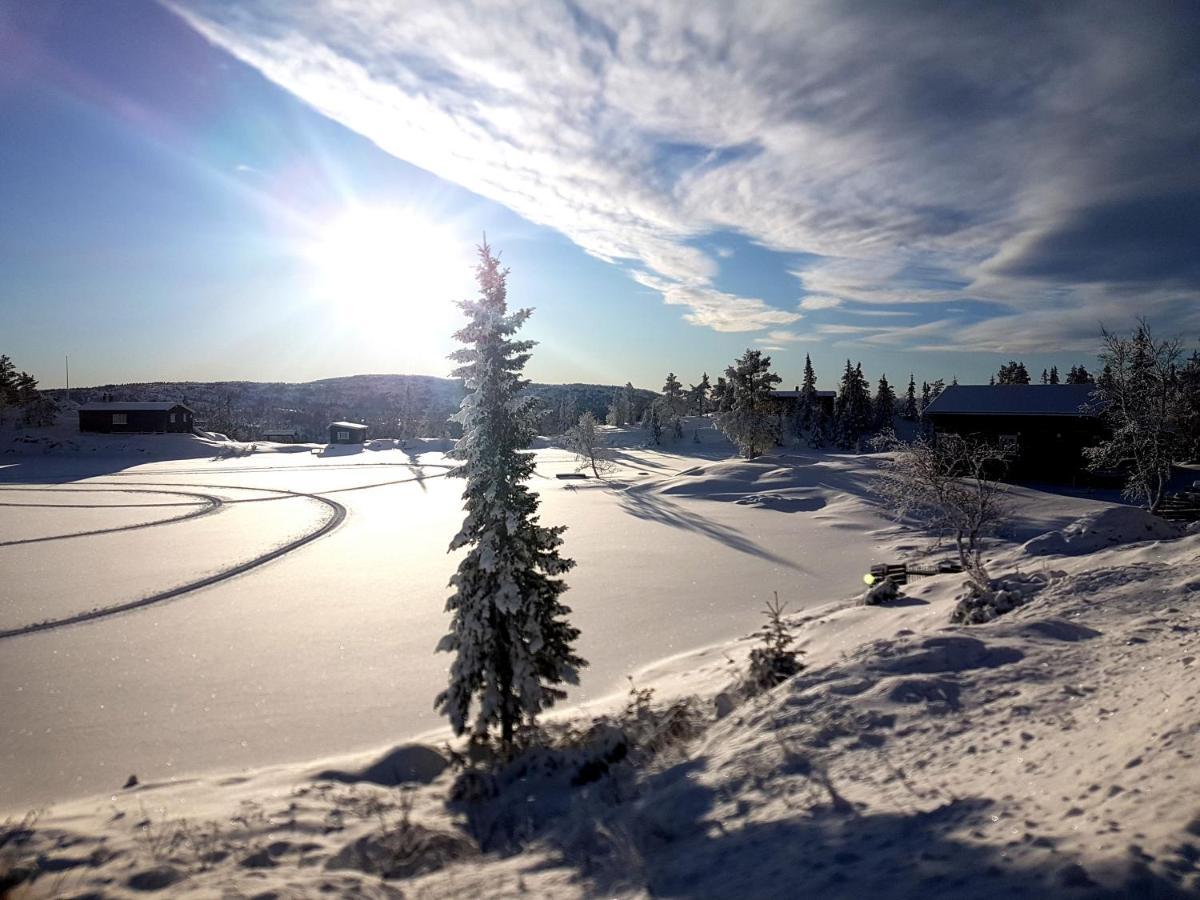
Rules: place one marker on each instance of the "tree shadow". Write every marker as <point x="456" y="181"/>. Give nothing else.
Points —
<point x="654" y="508"/>
<point x="676" y="842"/>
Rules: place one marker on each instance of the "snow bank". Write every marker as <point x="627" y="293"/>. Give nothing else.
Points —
<point x="1102" y="529"/>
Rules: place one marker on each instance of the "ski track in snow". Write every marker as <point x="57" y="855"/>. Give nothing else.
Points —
<point x="211" y="504"/>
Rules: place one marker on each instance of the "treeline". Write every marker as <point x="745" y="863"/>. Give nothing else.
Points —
<point x="394" y="406"/>
<point x="1013" y="372"/>
<point x="19" y="394"/>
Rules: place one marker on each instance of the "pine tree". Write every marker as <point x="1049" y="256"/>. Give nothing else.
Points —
<point x="1013" y="372"/>
<point x="750" y="420"/>
<point x="720" y="395"/>
<point x="1054" y="375"/>
<point x="1079" y="375"/>
<point x="631" y="403"/>
<point x="508" y="631"/>
<point x="698" y="395"/>
<point x="910" y="400"/>
<point x="673" y="395"/>
<point x="925" y="398"/>
<point x="1045" y="377"/>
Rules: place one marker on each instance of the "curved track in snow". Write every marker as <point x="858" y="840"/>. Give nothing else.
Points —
<point x="207" y="503"/>
<point x="213" y="504"/>
<point x="336" y="517"/>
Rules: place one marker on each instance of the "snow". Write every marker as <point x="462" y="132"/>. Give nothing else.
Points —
<point x="1103" y="529"/>
<point x="1028" y="754"/>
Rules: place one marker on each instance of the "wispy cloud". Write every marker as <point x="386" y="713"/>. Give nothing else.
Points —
<point x="934" y="154"/>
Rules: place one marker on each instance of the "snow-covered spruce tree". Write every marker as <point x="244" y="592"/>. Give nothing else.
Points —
<point x="751" y="419"/>
<point x="509" y="632"/>
<point x="910" y="400"/>
<point x="852" y="411"/>
<point x="806" y="415"/>
<point x="698" y="396"/>
<point x="884" y="406"/>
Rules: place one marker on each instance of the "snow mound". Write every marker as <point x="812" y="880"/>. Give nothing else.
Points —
<point x="737" y="478"/>
<point x="1100" y="530"/>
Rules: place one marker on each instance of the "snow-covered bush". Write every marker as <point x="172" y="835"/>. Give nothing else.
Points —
<point x="881" y="591"/>
<point x="983" y="602"/>
<point x="774" y="660"/>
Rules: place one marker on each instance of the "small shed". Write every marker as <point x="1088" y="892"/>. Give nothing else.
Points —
<point x="347" y="433"/>
<point x="281" y="435"/>
<point x="1046" y="426"/>
<point x="135" y="417"/>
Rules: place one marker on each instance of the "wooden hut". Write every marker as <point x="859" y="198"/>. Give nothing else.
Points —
<point x="1046" y="426"/>
<point x="135" y="417"/>
<point x="347" y="433"/>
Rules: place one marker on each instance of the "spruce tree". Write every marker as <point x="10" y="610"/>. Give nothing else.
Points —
<point x="1054" y="375"/>
<point x="910" y="400"/>
<point x="808" y="397"/>
<point x="885" y="405"/>
<point x="925" y="398"/>
<point x="509" y="633"/>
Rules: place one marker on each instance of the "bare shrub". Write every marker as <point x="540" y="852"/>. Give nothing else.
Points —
<point x="948" y="484"/>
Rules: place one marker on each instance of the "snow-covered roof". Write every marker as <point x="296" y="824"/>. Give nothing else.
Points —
<point x="348" y="425"/>
<point x="1014" y="400"/>
<point x="133" y="406"/>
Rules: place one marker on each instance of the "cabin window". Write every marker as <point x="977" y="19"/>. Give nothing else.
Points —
<point x="343" y="435"/>
<point x="172" y="418"/>
<point x="119" y="419"/>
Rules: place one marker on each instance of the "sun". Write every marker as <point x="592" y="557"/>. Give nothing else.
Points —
<point x="389" y="266"/>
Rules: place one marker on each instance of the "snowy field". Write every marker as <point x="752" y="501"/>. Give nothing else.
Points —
<point x="244" y="634"/>
<point x="322" y="582"/>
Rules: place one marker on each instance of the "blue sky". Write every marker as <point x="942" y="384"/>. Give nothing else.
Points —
<point x="670" y="183"/>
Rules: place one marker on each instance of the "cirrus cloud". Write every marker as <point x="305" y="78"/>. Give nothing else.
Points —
<point x="1012" y="154"/>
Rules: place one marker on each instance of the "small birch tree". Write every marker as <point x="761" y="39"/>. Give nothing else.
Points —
<point x="585" y="441"/>
<point x="509" y="633"/>
<point x="1142" y="402"/>
<point x="948" y="485"/>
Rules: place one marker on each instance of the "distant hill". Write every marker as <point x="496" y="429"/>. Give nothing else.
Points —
<point x="393" y="405"/>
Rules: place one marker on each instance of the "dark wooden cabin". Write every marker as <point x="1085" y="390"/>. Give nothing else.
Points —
<point x="1046" y="425"/>
<point x="347" y="433"/>
<point x="133" y="417"/>
<point x="790" y="400"/>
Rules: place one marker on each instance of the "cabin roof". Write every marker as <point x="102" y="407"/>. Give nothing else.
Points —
<point x="785" y="395"/>
<point x="353" y="425"/>
<point x="1015" y="400"/>
<point x="134" y="406"/>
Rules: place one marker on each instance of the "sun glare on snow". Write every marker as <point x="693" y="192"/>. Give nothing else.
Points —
<point x="392" y="267"/>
